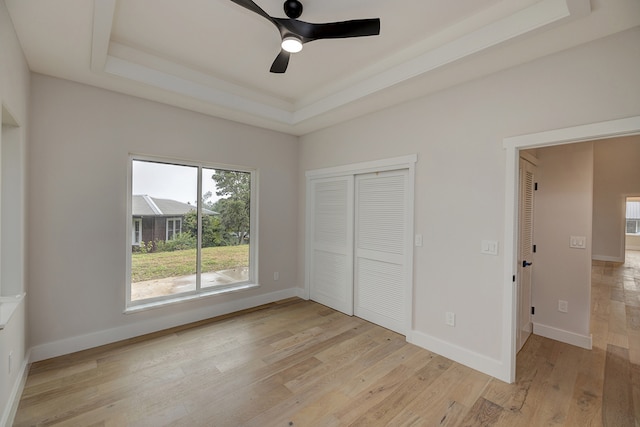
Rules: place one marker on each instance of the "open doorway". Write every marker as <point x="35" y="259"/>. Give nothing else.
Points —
<point x="513" y="146"/>
<point x="632" y="225"/>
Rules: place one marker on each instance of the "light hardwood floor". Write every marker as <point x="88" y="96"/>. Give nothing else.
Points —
<point x="297" y="363"/>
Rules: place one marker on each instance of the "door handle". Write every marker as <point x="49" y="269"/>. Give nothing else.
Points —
<point x="526" y="264"/>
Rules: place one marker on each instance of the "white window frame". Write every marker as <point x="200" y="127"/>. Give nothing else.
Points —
<point x="251" y="283"/>
<point x="175" y="232"/>
<point x="136" y="237"/>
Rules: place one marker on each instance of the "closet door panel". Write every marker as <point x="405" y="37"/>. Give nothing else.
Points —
<point x="381" y="239"/>
<point x="331" y="248"/>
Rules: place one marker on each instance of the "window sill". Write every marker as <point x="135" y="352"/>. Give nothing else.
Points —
<point x="8" y="306"/>
<point x="191" y="297"/>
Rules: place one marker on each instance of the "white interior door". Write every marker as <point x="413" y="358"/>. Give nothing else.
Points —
<point x="382" y="247"/>
<point x="525" y="252"/>
<point x="331" y="242"/>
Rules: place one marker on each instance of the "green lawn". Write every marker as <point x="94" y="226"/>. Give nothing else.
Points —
<point x="181" y="263"/>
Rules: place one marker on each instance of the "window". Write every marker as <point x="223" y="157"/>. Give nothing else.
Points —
<point x="174" y="227"/>
<point x="136" y="230"/>
<point x="633" y="215"/>
<point x="192" y="231"/>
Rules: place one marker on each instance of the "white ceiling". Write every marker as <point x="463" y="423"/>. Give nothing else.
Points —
<point x="213" y="56"/>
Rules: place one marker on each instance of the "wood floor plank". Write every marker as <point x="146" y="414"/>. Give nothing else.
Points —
<point x="633" y="318"/>
<point x="385" y="386"/>
<point x="298" y="363"/>
<point x="400" y="398"/>
<point x="617" y="396"/>
<point x="587" y="411"/>
<point x="483" y="413"/>
<point x="441" y="402"/>
<point x="635" y="391"/>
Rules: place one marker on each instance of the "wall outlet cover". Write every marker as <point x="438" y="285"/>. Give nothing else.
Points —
<point x="563" y="306"/>
<point x="450" y="318"/>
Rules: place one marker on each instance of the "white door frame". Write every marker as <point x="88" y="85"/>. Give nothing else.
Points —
<point x="405" y="162"/>
<point x="513" y="145"/>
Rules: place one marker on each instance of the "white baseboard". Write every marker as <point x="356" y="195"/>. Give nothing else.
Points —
<point x="561" y="335"/>
<point x="632" y="248"/>
<point x="302" y="293"/>
<point x="479" y="362"/>
<point x="607" y="258"/>
<point x="9" y="412"/>
<point x="98" y="338"/>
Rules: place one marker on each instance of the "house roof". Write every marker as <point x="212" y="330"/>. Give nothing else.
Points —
<point x="144" y="205"/>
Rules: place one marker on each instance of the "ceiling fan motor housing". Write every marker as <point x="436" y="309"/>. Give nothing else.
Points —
<point x="300" y="32"/>
<point x="293" y="9"/>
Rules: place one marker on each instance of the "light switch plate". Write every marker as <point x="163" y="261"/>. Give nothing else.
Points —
<point x="578" y="242"/>
<point x="489" y="247"/>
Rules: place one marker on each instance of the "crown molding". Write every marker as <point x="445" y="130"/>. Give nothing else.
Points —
<point x="111" y="58"/>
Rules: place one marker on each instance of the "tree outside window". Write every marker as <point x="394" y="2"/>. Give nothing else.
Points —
<point x="185" y="243"/>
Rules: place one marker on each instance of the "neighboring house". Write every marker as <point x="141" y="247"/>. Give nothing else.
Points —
<point x="157" y="219"/>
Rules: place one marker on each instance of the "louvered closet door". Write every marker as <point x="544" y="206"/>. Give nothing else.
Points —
<point x="525" y="252"/>
<point x="331" y="264"/>
<point x="381" y="240"/>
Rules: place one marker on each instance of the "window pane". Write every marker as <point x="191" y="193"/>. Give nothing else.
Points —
<point x="164" y="263"/>
<point x="226" y="219"/>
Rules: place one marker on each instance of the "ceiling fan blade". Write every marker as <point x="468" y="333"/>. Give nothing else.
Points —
<point x="344" y="29"/>
<point x="248" y="4"/>
<point x="281" y="62"/>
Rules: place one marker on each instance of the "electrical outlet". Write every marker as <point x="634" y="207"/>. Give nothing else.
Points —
<point x="450" y="318"/>
<point x="276" y="276"/>
<point x="563" y="306"/>
<point x="10" y="361"/>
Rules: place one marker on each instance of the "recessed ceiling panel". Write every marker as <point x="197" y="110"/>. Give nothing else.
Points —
<point x="227" y="41"/>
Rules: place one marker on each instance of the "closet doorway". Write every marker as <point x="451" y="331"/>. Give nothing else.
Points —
<point x="359" y="235"/>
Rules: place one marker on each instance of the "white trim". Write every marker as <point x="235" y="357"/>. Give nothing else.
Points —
<point x="252" y="281"/>
<point x="474" y="360"/>
<point x="152" y="303"/>
<point x="529" y="158"/>
<point x="11" y="408"/>
<point x="10" y="305"/>
<point x="174" y="232"/>
<point x="156" y="210"/>
<point x="302" y="293"/>
<point x="512" y="145"/>
<point x="182" y="86"/>
<point x="107" y="336"/>
<point x="539" y="16"/>
<point x="607" y="258"/>
<point x="403" y="162"/>
<point x="103" y="13"/>
<point x="136" y="238"/>
<point x="561" y="335"/>
<point x="504" y="25"/>
<point x="570" y="135"/>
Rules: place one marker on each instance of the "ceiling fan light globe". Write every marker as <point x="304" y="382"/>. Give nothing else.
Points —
<point x="291" y="44"/>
